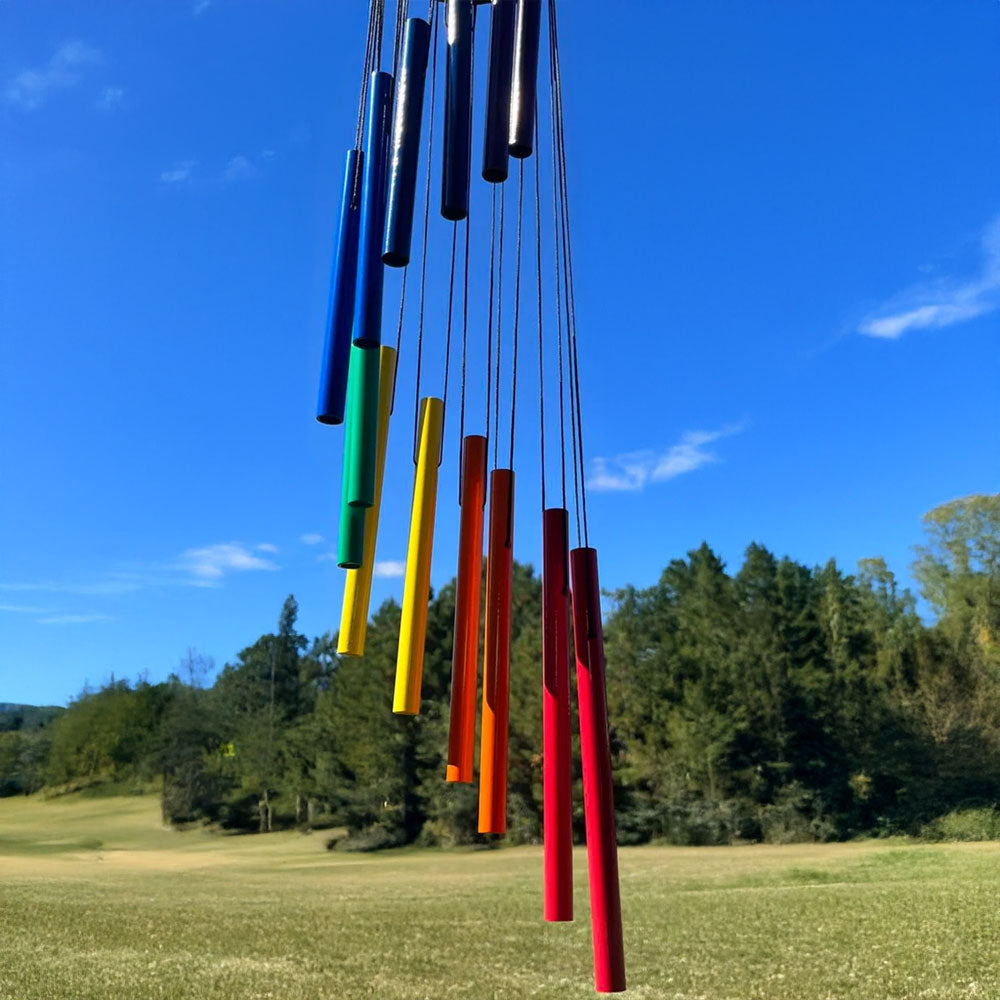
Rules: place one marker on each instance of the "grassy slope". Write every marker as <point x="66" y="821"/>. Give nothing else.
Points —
<point x="97" y="900"/>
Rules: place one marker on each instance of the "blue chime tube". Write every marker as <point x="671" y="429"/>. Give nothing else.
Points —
<point x="496" y="152"/>
<point x="340" y="308"/>
<point x="371" y="271"/>
<point x="524" y="80"/>
<point x="457" y="164"/>
<point x="406" y="143"/>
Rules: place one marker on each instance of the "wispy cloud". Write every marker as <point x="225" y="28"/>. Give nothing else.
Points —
<point x="310" y="538"/>
<point x="390" y="569"/>
<point x="200" y="6"/>
<point x="239" y="168"/>
<point x="944" y="302"/>
<point x="266" y="547"/>
<point x="208" y="565"/>
<point x="180" y="173"/>
<point x="23" y="609"/>
<point x="631" y="471"/>
<point x="73" y="619"/>
<point x="110" y="98"/>
<point x="31" y="88"/>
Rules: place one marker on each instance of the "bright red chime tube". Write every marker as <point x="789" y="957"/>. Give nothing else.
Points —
<point x="496" y="656"/>
<point x="556" y="767"/>
<point x="468" y="589"/>
<point x="598" y="793"/>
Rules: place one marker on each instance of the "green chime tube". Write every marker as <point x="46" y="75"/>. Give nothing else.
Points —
<point x="361" y="441"/>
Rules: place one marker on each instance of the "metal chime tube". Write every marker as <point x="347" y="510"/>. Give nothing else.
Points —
<point x="358" y="585"/>
<point x="524" y="81"/>
<point x="556" y="768"/>
<point x="598" y="795"/>
<point x="468" y="589"/>
<point x="457" y="163"/>
<point x="496" y="656"/>
<point x="368" y="302"/>
<point x="350" y="543"/>
<point x="340" y="308"/>
<point x="416" y="584"/>
<point x="406" y="143"/>
<point x="362" y="426"/>
<point x="496" y="155"/>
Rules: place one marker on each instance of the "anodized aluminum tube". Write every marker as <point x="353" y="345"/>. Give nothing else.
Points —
<point x="496" y="154"/>
<point x="457" y="162"/>
<point x="340" y="306"/>
<point x="496" y="656"/>
<point x="406" y="143"/>
<point x="468" y="589"/>
<point x="598" y="792"/>
<point x="358" y="585"/>
<point x="417" y="582"/>
<point x="557" y="776"/>
<point x="371" y="270"/>
<point x="362" y="426"/>
<point x="524" y="80"/>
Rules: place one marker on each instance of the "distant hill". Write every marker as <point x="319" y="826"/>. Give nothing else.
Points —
<point x="15" y="717"/>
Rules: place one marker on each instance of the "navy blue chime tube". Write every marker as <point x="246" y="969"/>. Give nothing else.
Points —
<point x="524" y="82"/>
<point x="406" y="143"/>
<point x="458" y="112"/>
<point x="340" y="310"/>
<point x="368" y="303"/>
<point x="496" y="155"/>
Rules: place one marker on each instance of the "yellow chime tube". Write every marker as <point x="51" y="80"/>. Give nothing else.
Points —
<point x="358" y="586"/>
<point x="416" y="586"/>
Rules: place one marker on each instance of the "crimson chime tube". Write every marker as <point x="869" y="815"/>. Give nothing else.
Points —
<point x="524" y="80"/>
<point x="468" y="588"/>
<point x="457" y="164"/>
<point x="368" y="304"/>
<point x="406" y="143"/>
<point x="340" y="308"/>
<point x="598" y="793"/>
<point x="496" y="657"/>
<point x="496" y="153"/>
<point x="556" y="768"/>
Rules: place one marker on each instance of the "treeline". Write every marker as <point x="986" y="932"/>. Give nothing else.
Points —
<point x="779" y="702"/>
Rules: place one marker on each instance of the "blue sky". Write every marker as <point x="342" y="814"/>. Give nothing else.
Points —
<point x="787" y="239"/>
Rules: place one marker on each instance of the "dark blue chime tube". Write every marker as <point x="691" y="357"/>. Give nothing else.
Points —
<point x="406" y="143"/>
<point x="340" y="310"/>
<point x="368" y="303"/>
<point x="458" y="112"/>
<point x="496" y="153"/>
<point x="524" y="82"/>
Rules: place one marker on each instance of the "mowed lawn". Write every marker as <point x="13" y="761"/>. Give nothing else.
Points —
<point x="97" y="899"/>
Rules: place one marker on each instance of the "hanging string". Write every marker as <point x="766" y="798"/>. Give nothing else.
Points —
<point x="465" y="351"/>
<point x="499" y="314"/>
<point x="517" y="308"/>
<point x="538" y="267"/>
<point x="373" y="16"/>
<point x="447" y="340"/>
<point x="402" y="11"/>
<point x="489" y="324"/>
<point x="427" y="216"/>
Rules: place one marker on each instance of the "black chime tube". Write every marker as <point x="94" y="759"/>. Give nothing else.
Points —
<point x="406" y="143"/>
<point x="457" y="111"/>
<point x="524" y="81"/>
<point x="496" y="155"/>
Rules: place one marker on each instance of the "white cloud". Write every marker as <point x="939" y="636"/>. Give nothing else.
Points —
<point x="23" y="609"/>
<point x="389" y="569"/>
<point x="942" y="303"/>
<point x="239" y="168"/>
<point x="266" y="547"/>
<point x="200" y="6"/>
<point x="210" y="564"/>
<point x="32" y="87"/>
<point x="631" y="471"/>
<point x="180" y="173"/>
<point x="310" y="538"/>
<point x="111" y="98"/>
<point x="73" y="619"/>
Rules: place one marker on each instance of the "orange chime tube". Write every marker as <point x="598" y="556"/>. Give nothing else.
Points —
<point x="496" y="656"/>
<point x="598" y="792"/>
<point x="465" y="653"/>
<point x="556" y="767"/>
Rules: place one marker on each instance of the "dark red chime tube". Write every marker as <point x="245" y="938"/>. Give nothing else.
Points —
<point x="598" y="796"/>
<point x="496" y="153"/>
<point x="496" y="658"/>
<point x="524" y="81"/>
<point x="556" y="769"/>
<point x="468" y="588"/>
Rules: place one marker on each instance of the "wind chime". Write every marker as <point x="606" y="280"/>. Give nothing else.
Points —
<point x="357" y="389"/>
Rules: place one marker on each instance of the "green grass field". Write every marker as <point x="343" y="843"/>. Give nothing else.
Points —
<point x="98" y="900"/>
